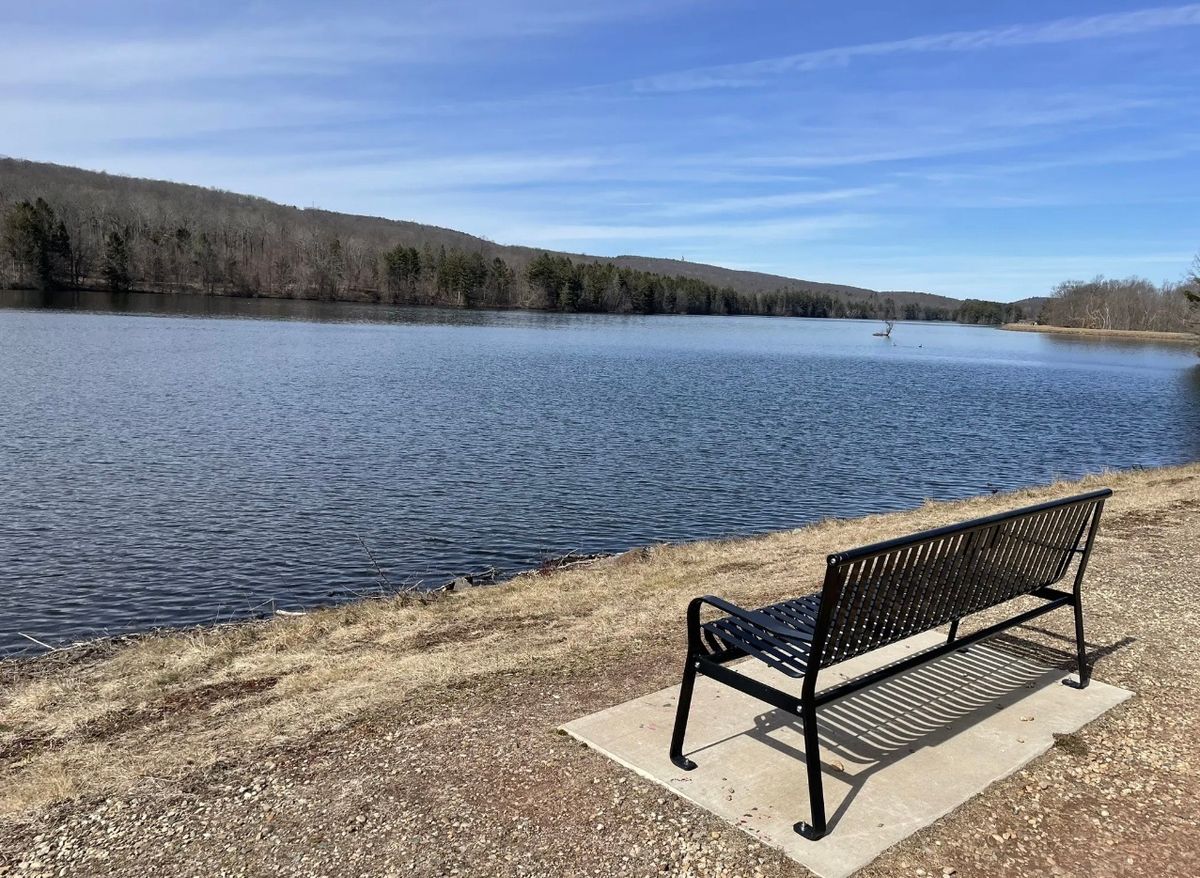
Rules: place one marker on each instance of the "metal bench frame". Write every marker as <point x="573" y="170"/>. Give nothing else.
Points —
<point x="883" y="593"/>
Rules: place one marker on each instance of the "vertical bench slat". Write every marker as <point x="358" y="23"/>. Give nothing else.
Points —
<point x="890" y="619"/>
<point x="1044" y="559"/>
<point x="938" y="555"/>
<point x="1069" y="532"/>
<point x="949" y="573"/>
<point x="926" y="553"/>
<point x="1029" y="534"/>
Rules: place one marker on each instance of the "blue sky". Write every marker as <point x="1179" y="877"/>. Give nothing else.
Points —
<point x="971" y="149"/>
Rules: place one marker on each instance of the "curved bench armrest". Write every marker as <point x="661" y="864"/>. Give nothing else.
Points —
<point x="761" y="620"/>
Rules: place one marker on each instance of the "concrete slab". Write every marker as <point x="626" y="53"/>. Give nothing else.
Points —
<point x="896" y="756"/>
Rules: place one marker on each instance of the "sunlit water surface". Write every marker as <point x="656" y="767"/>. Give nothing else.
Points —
<point x="182" y="460"/>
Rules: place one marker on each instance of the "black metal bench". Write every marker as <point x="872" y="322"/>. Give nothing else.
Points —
<point x="883" y="593"/>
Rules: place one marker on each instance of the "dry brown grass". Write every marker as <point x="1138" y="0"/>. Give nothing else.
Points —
<point x="1130" y="334"/>
<point x="171" y="705"/>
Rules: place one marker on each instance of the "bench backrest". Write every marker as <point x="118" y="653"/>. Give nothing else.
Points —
<point x="882" y="593"/>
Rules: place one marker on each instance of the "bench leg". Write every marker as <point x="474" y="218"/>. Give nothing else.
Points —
<point x="816" y="789"/>
<point x="1085" y="671"/>
<point x="681" y="715"/>
<point x="953" y="631"/>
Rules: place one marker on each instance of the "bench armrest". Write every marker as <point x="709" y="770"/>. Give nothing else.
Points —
<point x="761" y="620"/>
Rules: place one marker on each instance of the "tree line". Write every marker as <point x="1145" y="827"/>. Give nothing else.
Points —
<point x="1124" y="303"/>
<point x="560" y="283"/>
<point x="251" y="249"/>
<point x="1191" y="292"/>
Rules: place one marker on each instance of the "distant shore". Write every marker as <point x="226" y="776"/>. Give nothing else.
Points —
<point x="1132" y="334"/>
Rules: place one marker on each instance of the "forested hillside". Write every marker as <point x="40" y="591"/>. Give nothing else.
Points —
<point x="66" y="227"/>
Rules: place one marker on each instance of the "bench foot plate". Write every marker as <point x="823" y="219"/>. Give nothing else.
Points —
<point x="683" y="762"/>
<point x="807" y="831"/>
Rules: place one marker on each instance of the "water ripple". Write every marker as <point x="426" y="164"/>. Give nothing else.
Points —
<point x="172" y="470"/>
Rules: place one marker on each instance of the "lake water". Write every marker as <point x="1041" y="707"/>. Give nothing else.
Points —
<point x="183" y="460"/>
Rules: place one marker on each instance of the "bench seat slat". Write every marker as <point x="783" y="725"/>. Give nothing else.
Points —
<point x="879" y="619"/>
<point x="789" y="657"/>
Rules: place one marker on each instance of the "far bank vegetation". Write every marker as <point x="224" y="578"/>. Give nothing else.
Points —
<point x="63" y="228"/>
<point x="1131" y="304"/>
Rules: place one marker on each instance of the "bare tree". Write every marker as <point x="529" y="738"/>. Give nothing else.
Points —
<point x="1129" y="303"/>
<point x="1192" y="292"/>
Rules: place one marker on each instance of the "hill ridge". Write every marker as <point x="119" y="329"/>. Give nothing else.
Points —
<point x="187" y="236"/>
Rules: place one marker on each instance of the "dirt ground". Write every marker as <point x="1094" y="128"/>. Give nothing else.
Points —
<point x="419" y="738"/>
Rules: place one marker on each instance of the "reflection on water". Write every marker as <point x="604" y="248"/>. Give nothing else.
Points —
<point x="97" y="301"/>
<point x="176" y="468"/>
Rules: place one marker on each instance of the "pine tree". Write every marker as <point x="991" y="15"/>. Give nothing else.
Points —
<point x="62" y="260"/>
<point x="205" y="258"/>
<point x="115" y="266"/>
<point x="1192" y="293"/>
<point x="38" y="245"/>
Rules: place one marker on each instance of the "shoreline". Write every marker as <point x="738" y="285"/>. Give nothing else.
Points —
<point x="267" y="738"/>
<point x="107" y="644"/>
<point x="1130" y="334"/>
<point x="374" y="302"/>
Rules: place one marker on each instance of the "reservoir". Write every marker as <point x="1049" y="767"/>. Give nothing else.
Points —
<point x="179" y="460"/>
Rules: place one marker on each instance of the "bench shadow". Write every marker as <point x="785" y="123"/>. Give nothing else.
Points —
<point x="877" y="727"/>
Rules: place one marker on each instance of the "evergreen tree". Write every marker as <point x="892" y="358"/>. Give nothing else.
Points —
<point x="499" y="282"/>
<point x="401" y="271"/>
<point x="546" y="276"/>
<point x="207" y="265"/>
<point x="62" y="260"/>
<point x="38" y="245"/>
<point x="115" y="266"/>
<point x="1191" y="292"/>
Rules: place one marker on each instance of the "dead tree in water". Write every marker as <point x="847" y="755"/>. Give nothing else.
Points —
<point x="887" y="333"/>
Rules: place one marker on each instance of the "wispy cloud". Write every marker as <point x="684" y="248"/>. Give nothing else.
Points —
<point x="1063" y="30"/>
<point x="801" y="228"/>
<point x="935" y="124"/>
<point x="1187" y="145"/>
<point x="427" y="32"/>
<point x="766" y="203"/>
